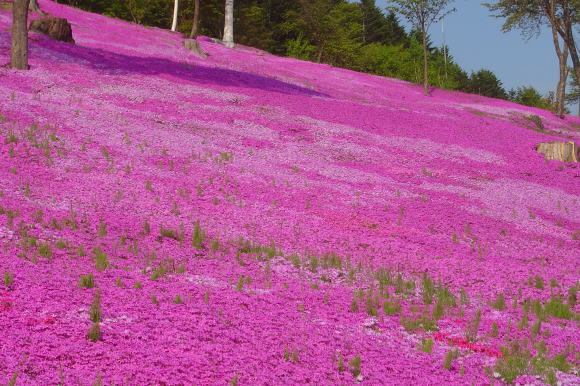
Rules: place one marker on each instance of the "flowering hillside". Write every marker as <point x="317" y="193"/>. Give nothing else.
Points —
<point x="256" y="220"/>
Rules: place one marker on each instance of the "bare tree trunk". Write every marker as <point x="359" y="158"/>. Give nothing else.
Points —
<point x="19" y="52"/>
<point x="229" y="24"/>
<point x="566" y="31"/>
<point x="425" y="64"/>
<point x="195" y="26"/>
<point x="561" y="91"/>
<point x="34" y="7"/>
<point x="562" y="54"/>
<point x="175" y="12"/>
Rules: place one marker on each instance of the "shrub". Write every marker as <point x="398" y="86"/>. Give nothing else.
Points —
<point x="87" y="281"/>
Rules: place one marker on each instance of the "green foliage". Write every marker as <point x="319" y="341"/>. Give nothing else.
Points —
<point x="558" y="309"/>
<point x="45" y="250"/>
<point x="355" y="366"/>
<point x="484" y="82"/>
<point x="499" y="302"/>
<point x="8" y="279"/>
<point x="94" y="334"/>
<point x="472" y="327"/>
<point x="101" y="259"/>
<point x="198" y="236"/>
<point x="87" y="281"/>
<point x="514" y="362"/>
<point x="427" y="345"/>
<point x="412" y="324"/>
<point x="95" y="310"/>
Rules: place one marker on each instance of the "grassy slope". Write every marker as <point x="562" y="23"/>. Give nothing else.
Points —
<point x="349" y="172"/>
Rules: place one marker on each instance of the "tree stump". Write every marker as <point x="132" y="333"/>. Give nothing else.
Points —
<point x="55" y="28"/>
<point x="193" y="45"/>
<point x="561" y="151"/>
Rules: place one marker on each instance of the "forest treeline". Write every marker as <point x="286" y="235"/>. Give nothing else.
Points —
<point x="354" y="35"/>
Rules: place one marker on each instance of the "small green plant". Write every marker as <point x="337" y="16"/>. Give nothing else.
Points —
<point x="499" y="302"/>
<point x="177" y="299"/>
<point x="87" y="281"/>
<point x="428" y="289"/>
<point x="240" y="285"/>
<point x="138" y="285"/>
<point x="169" y="233"/>
<point x="295" y="356"/>
<point x="413" y="324"/>
<point x="13" y="379"/>
<point x="119" y="283"/>
<point x="102" y="232"/>
<point x="473" y="327"/>
<point x="538" y="282"/>
<point x="235" y="380"/>
<point x="513" y="363"/>
<point x="355" y="366"/>
<point x="154" y="300"/>
<point x="44" y="250"/>
<point x="427" y="345"/>
<point x="494" y="330"/>
<point x="94" y="334"/>
<point x="448" y="360"/>
<point x="198" y="236"/>
<point x="148" y="186"/>
<point x="101" y="259"/>
<point x="340" y="363"/>
<point x="391" y="308"/>
<point x="95" y="309"/>
<point x="8" y="279"/>
<point x="558" y="309"/>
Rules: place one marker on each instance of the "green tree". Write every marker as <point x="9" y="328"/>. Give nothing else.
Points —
<point x="421" y="14"/>
<point x="485" y="82"/>
<point x="378" y="28"/>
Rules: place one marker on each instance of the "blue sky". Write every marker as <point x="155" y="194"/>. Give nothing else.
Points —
<point x="475" y="41"/>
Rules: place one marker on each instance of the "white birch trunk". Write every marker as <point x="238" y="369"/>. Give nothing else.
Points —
<point x="175" y="11"/>
<point x="229" y="24"/>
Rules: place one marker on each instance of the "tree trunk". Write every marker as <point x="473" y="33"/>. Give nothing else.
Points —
<point x="19" y="52"/>
<point x="175" y="12"/>
<point x="229" y="24"/>
<point x="195" y="26"/>
<point x="561" y="91"/>
<point x="34" y="7"/>
<point x="425" y="64"/>
<point x="562" y="54"/>
<point x="565" y="30"/>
